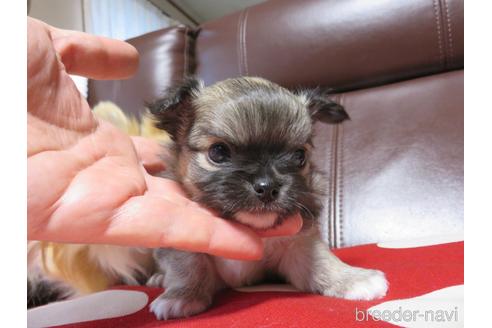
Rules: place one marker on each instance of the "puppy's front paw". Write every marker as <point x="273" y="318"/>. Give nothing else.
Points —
<point x="157" y="280"/>
<point x="357" y="284"/>
<point x="165" y="307"/>
<point x="364" y="284"/>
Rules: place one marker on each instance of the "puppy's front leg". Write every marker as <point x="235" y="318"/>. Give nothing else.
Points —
<point x="190" y="281"/>
<point x="310" y="266"/>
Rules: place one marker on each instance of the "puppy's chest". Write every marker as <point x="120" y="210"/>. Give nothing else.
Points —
<point x="236" y="273"/>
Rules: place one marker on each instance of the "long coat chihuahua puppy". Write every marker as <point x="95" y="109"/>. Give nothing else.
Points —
<point x="242" y="147"/>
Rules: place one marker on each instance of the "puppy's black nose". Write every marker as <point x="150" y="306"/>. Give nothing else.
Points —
<point x="266" y="190"/>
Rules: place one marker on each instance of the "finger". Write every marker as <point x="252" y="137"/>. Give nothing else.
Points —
<point x="167" y="188"/>
<point x="93" y="56"/>
<point x="173" y="191"/>
<point x="152" y="221"/>
<point x="150" y="153"/>
<point x="288" y="227"/>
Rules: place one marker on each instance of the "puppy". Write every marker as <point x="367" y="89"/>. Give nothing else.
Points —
<point x="242" y="147"/>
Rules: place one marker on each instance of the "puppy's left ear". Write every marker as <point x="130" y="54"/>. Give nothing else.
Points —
<point x="322" y="108"/>
<point x="174" y="112"/>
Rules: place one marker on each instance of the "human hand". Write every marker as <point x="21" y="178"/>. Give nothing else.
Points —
<point x="86" y="179"/>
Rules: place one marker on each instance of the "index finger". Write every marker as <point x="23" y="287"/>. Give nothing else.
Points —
<point x="94" y="56"/>
<point x="153" y="221"/>
<point x="290" y="226"/>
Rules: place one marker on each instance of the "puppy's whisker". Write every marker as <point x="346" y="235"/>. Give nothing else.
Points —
<point x="302" y="207"/>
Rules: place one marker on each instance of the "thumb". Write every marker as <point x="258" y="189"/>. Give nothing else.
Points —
<point x="150" y="153"/>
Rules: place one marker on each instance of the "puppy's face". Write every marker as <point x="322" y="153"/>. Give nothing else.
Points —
<point x="243" y="147"/>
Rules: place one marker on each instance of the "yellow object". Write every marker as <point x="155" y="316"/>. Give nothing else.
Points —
<point x="72" y="264"/>
<point x="109" y="112"/>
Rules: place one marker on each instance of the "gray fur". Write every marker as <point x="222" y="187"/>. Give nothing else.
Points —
<point x="263" y="125"/>
<point x="190" y="281"/>
<point x="250" y="110"/>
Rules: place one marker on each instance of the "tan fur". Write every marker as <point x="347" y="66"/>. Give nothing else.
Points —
<point x="91" y="268"/>
<point x="183" y="168"/>
<point x="211" y="107"/>
<point x="183" y="162"/>
<point x="148" y="129"/>
<point x="203" y="161"/>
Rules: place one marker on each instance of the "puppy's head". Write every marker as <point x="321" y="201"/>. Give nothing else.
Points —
<point x="243" y="147"/>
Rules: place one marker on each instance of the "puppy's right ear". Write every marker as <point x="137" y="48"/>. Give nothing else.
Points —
<point x="174" y="112"/>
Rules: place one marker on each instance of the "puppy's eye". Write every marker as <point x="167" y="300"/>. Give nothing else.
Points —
<point x="219" y="153"/>
<point x="300" y="157"/>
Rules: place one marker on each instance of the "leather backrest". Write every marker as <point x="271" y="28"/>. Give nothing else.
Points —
<point x="396" y="168"/>
<point x="165" y="56"/>
<point x="345" y="44"/>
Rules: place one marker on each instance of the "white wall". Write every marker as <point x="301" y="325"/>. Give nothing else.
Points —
<point x="67" y="14"/>
<point x="211" y="9"/>
<point x="201" y="10"/>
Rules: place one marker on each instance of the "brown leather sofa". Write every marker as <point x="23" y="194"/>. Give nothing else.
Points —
<point x="396" y="169"/>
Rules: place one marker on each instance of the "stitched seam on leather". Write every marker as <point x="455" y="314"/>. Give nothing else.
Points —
<point x="185" y="68"/>
<point x="445" y="33"/>
<point x="238" y="45"/>
<point x="240" y="22"/>
<point x="325" y="224"/>
<point x="450" y="34"/>
<point x="437" y="14"/>
<point x="331" y="188"/>
<point x="245" y="54"/>
<point x="340" y="179"/>
<point x="334" y="184"/>
<point x="335" y="188"/>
